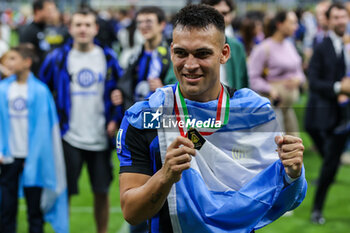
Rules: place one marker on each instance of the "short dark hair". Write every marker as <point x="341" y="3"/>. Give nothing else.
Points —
<point x="230" y="3"/>
<point x="26" y="50"/>
<point x="153" y="10"/>
<point x="337" y="5"/>
<point x="85" y="10"/>
<point x="39" y="4"/>
<point x="199" y="16"/>
<point x="271" y="25"/>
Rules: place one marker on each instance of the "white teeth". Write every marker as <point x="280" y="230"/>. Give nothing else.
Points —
<point x="191" y="76"/>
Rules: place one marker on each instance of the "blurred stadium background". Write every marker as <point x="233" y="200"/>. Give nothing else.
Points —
<point x="168" y="5"/>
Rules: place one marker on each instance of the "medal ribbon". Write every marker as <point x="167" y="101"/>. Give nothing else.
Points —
<point x="222" y="112"/>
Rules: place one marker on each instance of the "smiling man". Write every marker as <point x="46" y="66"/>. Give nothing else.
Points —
<point x="226" y="178"/>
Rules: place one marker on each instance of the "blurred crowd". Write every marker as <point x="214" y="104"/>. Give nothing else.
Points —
<point x="279" y="55"/>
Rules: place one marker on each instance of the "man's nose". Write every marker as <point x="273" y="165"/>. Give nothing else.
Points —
<point x="191" y="63"/>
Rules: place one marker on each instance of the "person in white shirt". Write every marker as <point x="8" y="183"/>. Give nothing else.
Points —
<point x="87" y="75"/>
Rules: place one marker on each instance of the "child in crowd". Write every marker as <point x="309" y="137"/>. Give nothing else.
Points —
<point x="30" y="146"/>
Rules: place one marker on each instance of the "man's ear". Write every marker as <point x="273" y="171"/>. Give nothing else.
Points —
<point x="97" y="29"/>
<point x="225" y="53"/>
<point x="28" y="62"/>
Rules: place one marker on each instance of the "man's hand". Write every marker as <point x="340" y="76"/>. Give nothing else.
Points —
<point x="112" y="128"/>
<point x="274" y="97"/>
<point x="154" y="83"/>
<point x="292" y="84"/>
<point x="290" y="150"/>
<point x="345" y="86"/>
<point x="117" y="97"/>
<point x="178" y="158"/>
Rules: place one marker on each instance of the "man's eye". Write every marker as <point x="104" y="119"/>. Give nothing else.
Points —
<point x="180" y="53"/>
<point x="203" y="54"/>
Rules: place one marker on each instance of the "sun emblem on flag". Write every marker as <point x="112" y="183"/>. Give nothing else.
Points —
<point x="240" y="153"/>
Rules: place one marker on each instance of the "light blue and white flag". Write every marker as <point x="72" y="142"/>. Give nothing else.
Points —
<point x="44" y="165"/>
<point x="236" y="180"/>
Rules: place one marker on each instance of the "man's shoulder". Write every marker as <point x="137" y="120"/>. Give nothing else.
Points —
<point x="59" y="53"/>
<point x="107" y="51"/>
<point x="136" y="113"/>
<point x="30" y="28"/>
<point x="324" y="45"/>
<point x="249" y="110"/>
<point x="249" y="96"/>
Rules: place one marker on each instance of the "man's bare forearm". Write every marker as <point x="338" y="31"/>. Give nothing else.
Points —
<point x="143" y="202"/>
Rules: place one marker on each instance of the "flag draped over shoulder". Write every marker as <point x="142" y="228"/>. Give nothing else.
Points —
<point x="236" y="180"/>
<point x="44" y="165"/>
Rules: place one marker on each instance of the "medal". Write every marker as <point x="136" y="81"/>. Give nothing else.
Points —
<point x="196" y="138"/>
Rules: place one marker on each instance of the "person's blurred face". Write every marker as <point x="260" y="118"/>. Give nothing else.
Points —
<point x="149" y="26"/>
<point x="224" y="9"/>
<point x="196" y="55"/>
<point x="55" y="17"/>
<point x="290" y="25"/>
<point x="83" y="28"/>
<point x="48" y="12"/>
<point x="338" y="19"/>
<point x="259" y="29"/>
<point x="15" y="63"/>
<point x="321" y="15"/>
<point x="66" y="18"/>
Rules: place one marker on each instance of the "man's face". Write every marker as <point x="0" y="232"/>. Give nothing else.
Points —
<point x="149" y="26"/>
<point x="338" y="19"/>
<point x="83" y="28"/>
<point x="44" y="15"/>
<point x="196" y="55"/>
<point x="321" y="15"/>
<point x="224" y="9"/>
<point x="49" y="11"/>
<point x="14" y="62"/>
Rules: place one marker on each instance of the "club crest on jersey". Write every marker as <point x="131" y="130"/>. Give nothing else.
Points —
<point x="19" y="104"/>
<point x="86" y="78"/>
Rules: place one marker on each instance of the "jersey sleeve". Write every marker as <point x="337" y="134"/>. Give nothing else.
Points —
<point x="133" y="150"/>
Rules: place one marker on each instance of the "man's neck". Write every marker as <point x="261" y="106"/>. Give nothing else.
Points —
<point x="153" y="43"/>
<point x="332" y="33"/>
<point x="22" y="77"/>
<point x="212" y="95"/>
<point x="83" y="47"/>
<point x="37" y="19"/>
